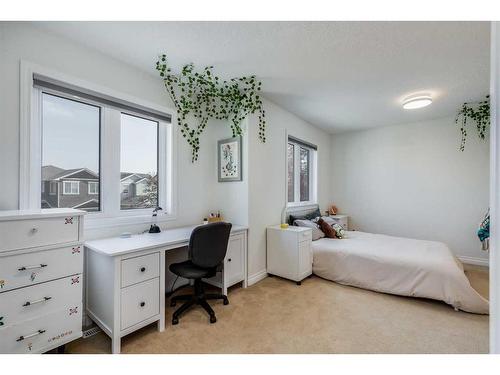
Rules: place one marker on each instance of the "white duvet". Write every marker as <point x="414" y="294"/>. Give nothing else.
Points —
<point x="397" y="265"/>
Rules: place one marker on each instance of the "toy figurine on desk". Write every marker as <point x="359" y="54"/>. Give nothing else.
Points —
<point x="154" y="227"/>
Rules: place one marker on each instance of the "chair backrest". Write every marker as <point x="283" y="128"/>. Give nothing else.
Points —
<point x="208" y="244"/>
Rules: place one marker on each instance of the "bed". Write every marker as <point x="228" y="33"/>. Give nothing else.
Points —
<point x="395" y="265"/>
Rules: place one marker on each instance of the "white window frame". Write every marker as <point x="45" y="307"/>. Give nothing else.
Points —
<point x="313" y="175"/>
<point x="110" y="214"/>
<point x="71" y="184"/>
<point x="93" y="183"/>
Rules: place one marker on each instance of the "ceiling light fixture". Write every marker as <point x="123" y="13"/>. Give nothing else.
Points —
<point x="417" y="101"/>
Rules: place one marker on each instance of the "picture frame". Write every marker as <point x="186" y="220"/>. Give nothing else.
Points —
<point x="229" y="155"/>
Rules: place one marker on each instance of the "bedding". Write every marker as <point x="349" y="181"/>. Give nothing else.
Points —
<point x="395" y="265"/>
<point x="317" y="233"/>
<point x="307" y="216"/>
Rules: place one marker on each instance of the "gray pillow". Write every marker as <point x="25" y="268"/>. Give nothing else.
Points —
<point x="316" y="232"/>
<point x="312" y="215"/>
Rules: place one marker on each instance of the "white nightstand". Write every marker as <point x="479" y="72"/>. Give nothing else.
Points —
<point x="342" y="220"/>
<point x="289" y="252"/>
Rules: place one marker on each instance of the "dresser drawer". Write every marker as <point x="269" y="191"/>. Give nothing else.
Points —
<point x="33" y="268"/>
<point x="41" y="334"/>
<point x="21" y="234"/>
<point x="138" y="269"/>
<point x="30" y="302"/>
<point x="140" y="302"/>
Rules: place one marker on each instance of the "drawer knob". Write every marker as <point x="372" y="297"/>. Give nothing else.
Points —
<point x="143" y="304"/>
<point x="24" y="268"/>
<point x="143" y="269"/>
<point x="29" y="303"/>
<point x="229" y="260"/>
<point x="39" y="332"/>
<point x="34" y="230"/>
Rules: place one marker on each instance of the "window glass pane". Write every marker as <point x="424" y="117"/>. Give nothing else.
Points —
<point x="304" y="174"/>
<point x="290" y="156"/>
<point x="139" y="163"/>
<point x="70" y="153"/>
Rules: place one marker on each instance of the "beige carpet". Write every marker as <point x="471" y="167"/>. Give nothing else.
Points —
<point x="277" y="316"/>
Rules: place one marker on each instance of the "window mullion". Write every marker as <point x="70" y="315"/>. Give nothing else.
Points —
<point x="110" y="162"/>
<point x="296" y="172"/>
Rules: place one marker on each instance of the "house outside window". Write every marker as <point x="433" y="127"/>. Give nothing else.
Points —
<point x="71" y="187"/>
<point x="301" y="172"/>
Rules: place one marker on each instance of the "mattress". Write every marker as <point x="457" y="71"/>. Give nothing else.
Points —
<point x="396" y="265"/>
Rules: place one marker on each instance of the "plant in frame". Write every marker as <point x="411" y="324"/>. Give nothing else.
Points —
<point x="479" y="113"/>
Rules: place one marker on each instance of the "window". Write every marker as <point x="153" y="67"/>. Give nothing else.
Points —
<point x="301" y="176"/>
<point x="93" y="188"/>
<point x="53" y="188"/>
<point x="71" y="188"/>
<point x="103" y="152"/>
<point x="70" y="149"/>
<point x="138" y="162"/>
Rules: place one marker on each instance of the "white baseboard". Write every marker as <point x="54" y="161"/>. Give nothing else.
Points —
<point x="255" y="278"/>
<point x="472" y="260"/>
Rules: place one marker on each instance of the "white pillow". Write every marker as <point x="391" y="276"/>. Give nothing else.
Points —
<point x="316" y="232"/>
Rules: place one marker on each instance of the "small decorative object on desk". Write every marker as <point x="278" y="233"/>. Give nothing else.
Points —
<point x="229" y="153"/>
<point x="214" y="218"/>
<point x="332" y="210"/>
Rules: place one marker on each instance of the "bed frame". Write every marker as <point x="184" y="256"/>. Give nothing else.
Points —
<point x="299" y="211"/>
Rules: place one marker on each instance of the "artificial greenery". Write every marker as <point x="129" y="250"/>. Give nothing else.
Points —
<point x="203" y="96"/>
<point x="478" y="112"/>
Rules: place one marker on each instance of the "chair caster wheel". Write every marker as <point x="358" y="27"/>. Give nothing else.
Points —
<point x="213" y="319"/>
<point x="172" y="303"/>
<point x="226" y="302"/>
<point x="175" y="321"/>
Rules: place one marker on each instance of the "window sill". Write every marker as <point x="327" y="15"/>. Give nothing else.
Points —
<point x="97" y="221"/>
<point x="299" y="206"/>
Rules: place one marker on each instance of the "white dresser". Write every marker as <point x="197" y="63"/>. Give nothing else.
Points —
<point x="125" y="278"/>
<point x="289" y="252"/>
<point x="41" y="265"/>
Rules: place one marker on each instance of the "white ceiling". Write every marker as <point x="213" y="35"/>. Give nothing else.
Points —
<point x="337" y="75"/>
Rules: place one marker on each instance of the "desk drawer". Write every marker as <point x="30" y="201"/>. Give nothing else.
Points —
<point x="17" y="271"/>
<point x="21" y="234"/>
<point x="28" y="303"/>
<point x="40" y="334"/>
<point x="140" y="302"/>
<point x="234" y="267"/>
<point x="138" y="269"/>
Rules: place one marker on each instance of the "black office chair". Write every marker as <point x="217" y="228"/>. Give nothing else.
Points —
<point x="207" y="249"/>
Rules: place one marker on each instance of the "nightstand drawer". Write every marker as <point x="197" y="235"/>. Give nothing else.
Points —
<point x="21" y="234"/>
<point x="140" y="302"/>
<point x="305" y="236"/>
<point x="138" y="269"/>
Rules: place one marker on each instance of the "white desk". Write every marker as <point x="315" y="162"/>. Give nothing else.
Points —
<point x="125" y="278"/>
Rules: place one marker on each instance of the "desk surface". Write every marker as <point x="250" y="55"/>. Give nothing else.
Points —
<point x="115" y="246"/>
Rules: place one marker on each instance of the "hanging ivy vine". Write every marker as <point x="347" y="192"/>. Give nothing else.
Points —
<point x="479" y="113"/>
<point x="202" y="95"/>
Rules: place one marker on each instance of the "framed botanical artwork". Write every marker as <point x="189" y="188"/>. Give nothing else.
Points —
<point x="229" y="154"/>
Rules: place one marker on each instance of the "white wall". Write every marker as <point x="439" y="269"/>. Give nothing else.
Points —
<point x="412" y="181"/>
<point x="197" y="185"/>
<point x="267" y="176"/>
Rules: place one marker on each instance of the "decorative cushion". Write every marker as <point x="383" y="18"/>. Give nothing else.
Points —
<point x="316" y="231"/>
<point x="309" y="216"/>
<point x="327" y="229"/>
<point x="339" y="229"/>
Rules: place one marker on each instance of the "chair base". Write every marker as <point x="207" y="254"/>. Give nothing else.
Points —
<point x="198" y="298"/>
